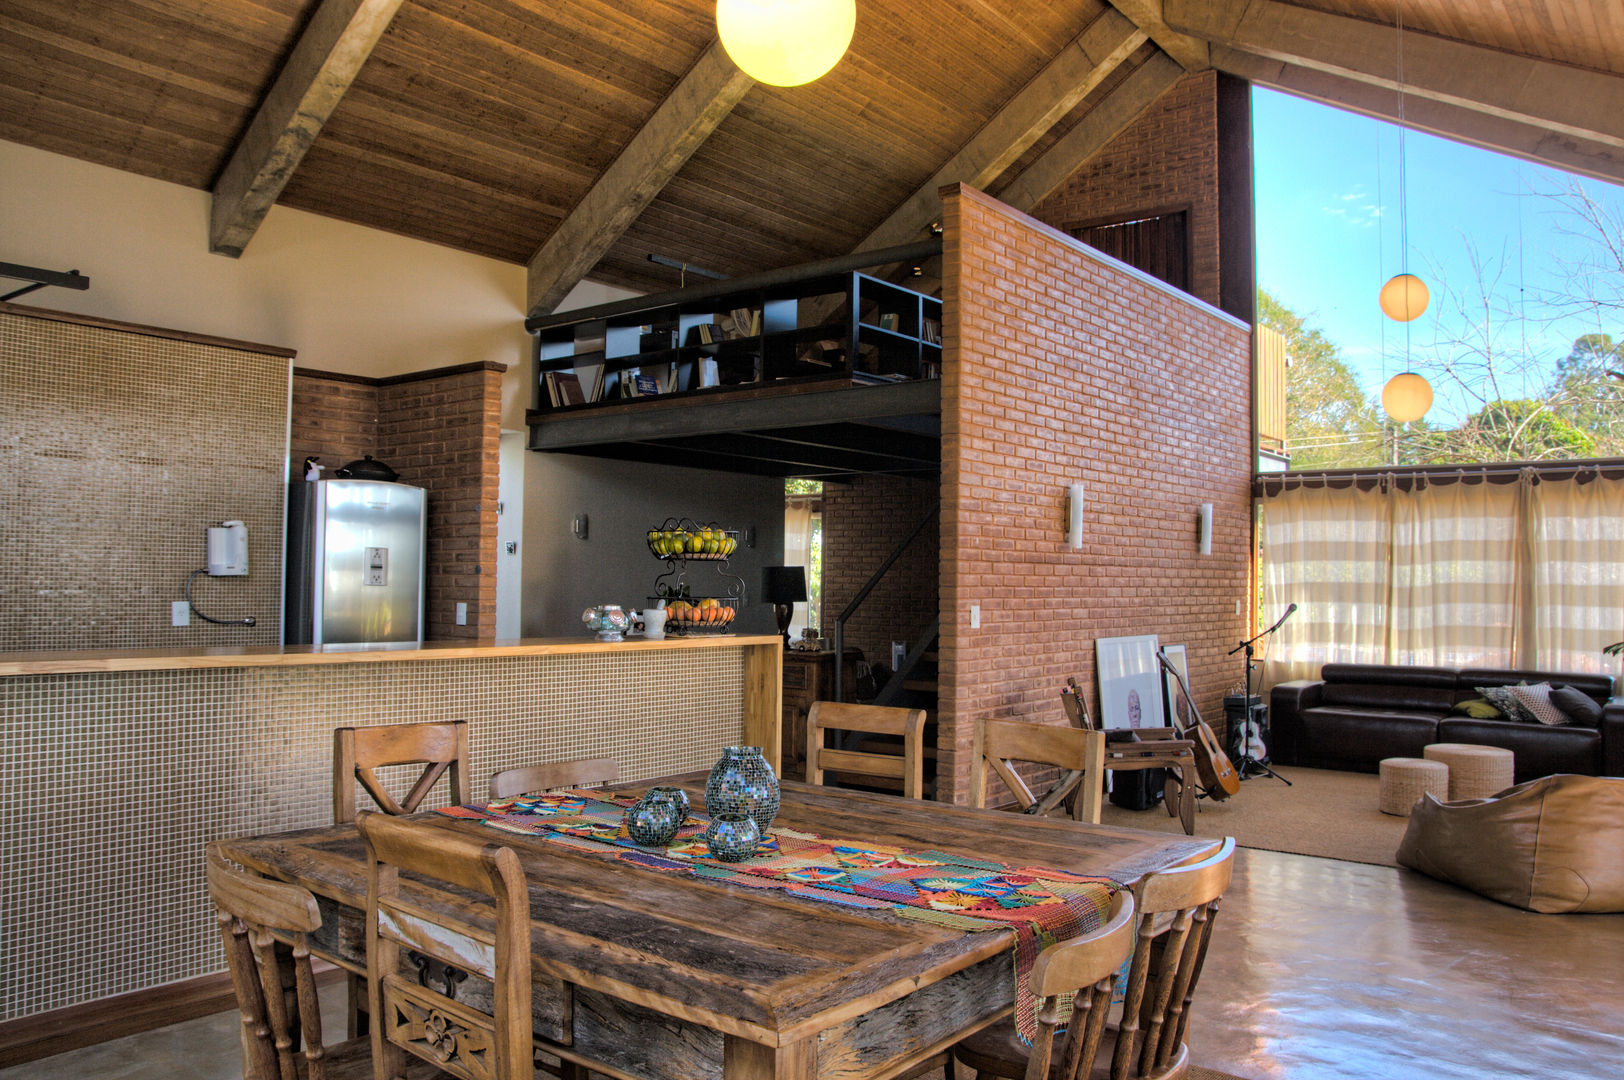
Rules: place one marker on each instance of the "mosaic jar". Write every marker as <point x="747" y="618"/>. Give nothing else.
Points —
<point x="608" y="621"/>
<point x="654" y="819"/>
<point x="675" y="794"/>
<point x="732" y="837"/>
<point x="743" y="783"/>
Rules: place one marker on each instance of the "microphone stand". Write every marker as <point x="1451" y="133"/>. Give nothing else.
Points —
<point x="1249" y="764"/>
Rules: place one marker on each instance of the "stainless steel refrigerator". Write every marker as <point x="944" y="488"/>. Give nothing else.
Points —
<point x="355" y="563"/>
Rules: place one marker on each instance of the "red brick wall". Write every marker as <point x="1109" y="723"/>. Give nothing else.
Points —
<point x="862" y="524"/>
<point x="334" y="419"/>
<point x="1166" y="159"/>
<point x="444" y="434"/>
<point x="1061" y="367"/>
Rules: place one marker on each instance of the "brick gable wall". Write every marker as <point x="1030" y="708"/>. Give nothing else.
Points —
<point x="1061" y="366"/>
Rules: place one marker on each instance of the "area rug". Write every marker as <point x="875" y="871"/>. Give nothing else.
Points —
<point x="1328" y="814"/>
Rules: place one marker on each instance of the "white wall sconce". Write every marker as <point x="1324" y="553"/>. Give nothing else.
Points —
<point x="1204" y="533"/>
<point x="1074" y="516"/>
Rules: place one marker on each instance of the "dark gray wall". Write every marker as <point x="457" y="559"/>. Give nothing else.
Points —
<point x="564" y="575"/>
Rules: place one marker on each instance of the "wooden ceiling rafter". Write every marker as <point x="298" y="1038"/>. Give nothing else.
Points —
<point x="1191" y="53"/>
<point x="683" y="121"/>
<point x="329" y="54"/>
<point x="1565" y="101"/>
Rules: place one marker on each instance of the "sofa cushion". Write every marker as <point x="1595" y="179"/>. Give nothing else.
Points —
<point x="1550" y="845"/>
<point x="1480" y="708"/>
<point x="1360" y="738"/>
<point x="1404" y="697"/>
<point x="1579" y="706"/>
<point x="1598" y="687"/>
<point x="1502" y="698"/>
<point x="1540" y="750"/>
<point x="1536" y="700"/>
<point x="1438" y="678"/>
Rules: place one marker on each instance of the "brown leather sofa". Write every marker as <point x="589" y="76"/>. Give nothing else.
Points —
<point x="1355" y="715"/>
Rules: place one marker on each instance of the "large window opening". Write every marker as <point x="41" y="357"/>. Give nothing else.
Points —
<point x="803" y="546"/>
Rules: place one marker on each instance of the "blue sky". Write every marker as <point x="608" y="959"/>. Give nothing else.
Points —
<point x="1328" y="236"/>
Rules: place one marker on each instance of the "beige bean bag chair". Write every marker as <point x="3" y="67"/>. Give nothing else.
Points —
<point x="1553" y="845"/>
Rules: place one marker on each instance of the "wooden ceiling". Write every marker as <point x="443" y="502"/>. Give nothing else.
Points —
<point x="579" y="136"/>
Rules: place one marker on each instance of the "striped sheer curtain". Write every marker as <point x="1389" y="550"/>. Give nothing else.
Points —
<point x="1578" y="556"/>
<point x="1327" y="551"/>
<point x="1462" y="574"/>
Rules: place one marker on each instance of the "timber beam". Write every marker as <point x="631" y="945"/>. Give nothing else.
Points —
<point x="1191" y="52"/>
<point x="1567" y="103"/>
<point x="321" y="67"/>
<point x="684" y="120"/>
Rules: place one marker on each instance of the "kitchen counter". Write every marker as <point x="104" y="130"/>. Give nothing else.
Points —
<point x="44" y="662"/>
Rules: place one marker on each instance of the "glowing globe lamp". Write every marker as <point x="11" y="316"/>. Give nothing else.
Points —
<point x="1407" y="396"/>
<point x="786" y="42"/>
<point x="1404" y="297"/>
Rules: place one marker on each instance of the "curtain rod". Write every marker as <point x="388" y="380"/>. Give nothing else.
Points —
<point x="1273" y="483"/>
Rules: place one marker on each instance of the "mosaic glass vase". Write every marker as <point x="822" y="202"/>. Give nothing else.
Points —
<point x="743" y="783"/>
<point x="732" y="837"/>
<point x="654" y="819"/>
<point x="675" y="794"/>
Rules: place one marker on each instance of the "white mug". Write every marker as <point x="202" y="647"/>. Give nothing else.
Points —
<point x="654" y="623"/>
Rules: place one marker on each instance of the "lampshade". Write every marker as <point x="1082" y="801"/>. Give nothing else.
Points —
<point x="1404" y="297"/>
<point x="786" y="42"/>
<point x="1407" y="396"/>
<point x="783" y="584"/>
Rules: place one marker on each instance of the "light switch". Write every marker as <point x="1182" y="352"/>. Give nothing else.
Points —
<point x="180" y="613"/>
<point x="975" y="616"/>
<point x="462" y="614"/>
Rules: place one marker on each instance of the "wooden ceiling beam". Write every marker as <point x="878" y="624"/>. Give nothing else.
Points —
<point x="1191" y="52"/>
<point x="1064" y="82"/>
<point x="1102" y="124"/>
<point x="684" y="120"/>
<point x="1532" y="142"/>
<point x="321" y="67"/>
<point x="1566" y="101"/>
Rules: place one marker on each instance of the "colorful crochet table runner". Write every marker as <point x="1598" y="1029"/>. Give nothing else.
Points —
<point x="1041" y="906"/>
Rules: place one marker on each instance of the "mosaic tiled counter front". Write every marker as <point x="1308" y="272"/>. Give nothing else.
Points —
<point x="118" y="767"/>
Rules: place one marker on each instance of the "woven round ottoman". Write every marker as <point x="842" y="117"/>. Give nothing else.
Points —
<point x="1475" y="772"/>
<point x="1406" y="779"/>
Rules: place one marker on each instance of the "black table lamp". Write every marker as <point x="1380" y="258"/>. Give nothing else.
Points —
<point x="783" y="587"/>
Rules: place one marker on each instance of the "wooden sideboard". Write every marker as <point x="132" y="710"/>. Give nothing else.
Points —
<point x="808" y="676"/>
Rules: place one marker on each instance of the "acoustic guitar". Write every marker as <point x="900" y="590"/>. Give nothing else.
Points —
<point x="1212" y="766"/>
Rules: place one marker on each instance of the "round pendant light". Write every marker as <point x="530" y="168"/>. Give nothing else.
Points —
<point x="1404" y="297"/>
<point x="1406" y="397"/>
<point x="786" y="42"/>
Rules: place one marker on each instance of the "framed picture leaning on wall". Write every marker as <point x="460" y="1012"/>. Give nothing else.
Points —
<point x="1130" y="682"/>
<point x="1177" y="705"/>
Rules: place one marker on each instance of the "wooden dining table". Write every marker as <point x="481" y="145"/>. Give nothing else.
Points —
<point x="650" y="975"/>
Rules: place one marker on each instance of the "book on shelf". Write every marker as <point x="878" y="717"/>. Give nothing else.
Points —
<point x="742" y="323"/>
<point x="646" y="386"/>
<point x="888" y="321"/>
<point x="595" y="391"/>
<point x="550" y="384"/>
<point x="569" y="388"/>
<point x="705" y="334"/>
<point x="931" y="330"/>
<point x="708" y="375"/>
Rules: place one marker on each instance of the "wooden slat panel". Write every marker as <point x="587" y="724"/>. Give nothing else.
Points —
<point x="1270" y="349"/>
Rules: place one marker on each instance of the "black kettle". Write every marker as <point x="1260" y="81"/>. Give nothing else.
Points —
<point x="366" y="469"/>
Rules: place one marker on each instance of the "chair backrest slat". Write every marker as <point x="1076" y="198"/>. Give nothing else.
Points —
<point x="586" y="772"/>
<point x="1086" y="966"/>
<point x="906" y="724"/>
<point x="409" y="1017"/>
<point x="358" y="752"/>
<point x="1001" y="743"/>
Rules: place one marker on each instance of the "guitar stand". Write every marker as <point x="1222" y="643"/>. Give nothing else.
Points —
<point x="1248" y="766"/>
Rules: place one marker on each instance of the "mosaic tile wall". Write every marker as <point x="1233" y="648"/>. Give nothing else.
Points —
<point x="117" y="451"/>
<point x="110" y="784"/>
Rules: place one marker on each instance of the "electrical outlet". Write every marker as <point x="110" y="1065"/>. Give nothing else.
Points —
<point x="975" y="616"/>
<point x="462" y="614"/>
<point x="180" y="613"/>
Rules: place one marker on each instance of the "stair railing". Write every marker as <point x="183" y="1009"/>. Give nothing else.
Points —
<point x="862" y="594"/>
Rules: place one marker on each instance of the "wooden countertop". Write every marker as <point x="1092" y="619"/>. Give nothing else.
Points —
<point x="45" y="662"/>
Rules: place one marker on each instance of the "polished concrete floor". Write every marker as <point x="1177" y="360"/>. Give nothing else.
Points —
<point x="1319" y="970"/>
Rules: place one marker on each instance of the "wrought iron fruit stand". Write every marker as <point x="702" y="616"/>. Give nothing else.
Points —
<point x="689" y="608"/>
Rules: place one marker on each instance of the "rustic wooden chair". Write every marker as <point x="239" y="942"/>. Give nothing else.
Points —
<point x="999" y="744"/>
<point x="885" y="769"/>
<point x="1086" y="967"/>
<point x="358" y="751"/>
<point x="1158" y="748"/>
<point x="1174" y="911"/>
<point x="586" y="772"/>
<point x="447" y="1025"/>
<point x="253" y="913"/>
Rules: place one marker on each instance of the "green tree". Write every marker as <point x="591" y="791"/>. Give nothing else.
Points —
<point x="1590" y="391"/>
<point x="1329" y="422"/>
